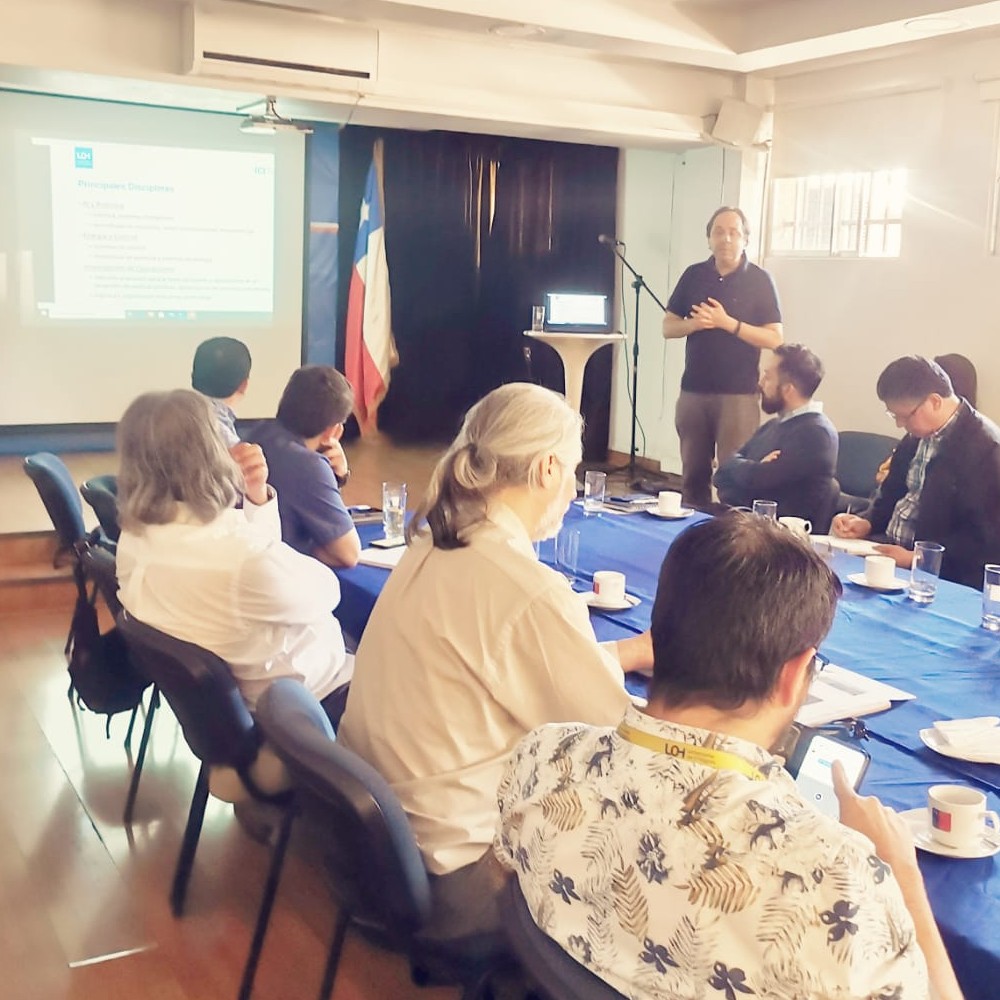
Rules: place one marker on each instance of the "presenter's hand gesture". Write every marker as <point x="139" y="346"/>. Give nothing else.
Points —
<point x="253" y="466"/>
<point x="711" y="314"/>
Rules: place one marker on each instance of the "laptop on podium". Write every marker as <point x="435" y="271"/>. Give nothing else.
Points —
<point x="575" y="312"/>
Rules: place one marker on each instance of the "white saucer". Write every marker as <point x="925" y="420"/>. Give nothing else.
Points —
<point x="590" y="599"/>
<point x="862" y="581"/>
<point x="920" y="826"/>
<point x="935" y="741"/>
<point x="679" y="516"/>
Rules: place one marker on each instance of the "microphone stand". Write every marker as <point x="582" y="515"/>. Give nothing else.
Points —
<point x="638" y="283"/>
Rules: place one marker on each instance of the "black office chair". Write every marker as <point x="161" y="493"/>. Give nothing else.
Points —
<point x="218" y="727"/>
<point x="101" y="492"/>
<point x="962" y="372"/>
<point x="98" y="565"/>
<point x="860" y="455"/>
<point x="555" y="973"/>
<point x="62" y="503"/>
<point x="376" y="870"/>
<point x="826" y="508"/>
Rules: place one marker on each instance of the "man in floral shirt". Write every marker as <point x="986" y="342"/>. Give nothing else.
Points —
<point x="672" y="855"/>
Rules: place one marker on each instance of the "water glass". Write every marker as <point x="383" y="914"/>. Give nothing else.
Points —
<point x="594" y="484"/>
<point x="991" y="597"/>
<point x="924" y="571"/>
<point x="393" y="511"/>
<point x="766" y="508"/>
<point x="568" y="552"/>
<point x="538" y="317"/>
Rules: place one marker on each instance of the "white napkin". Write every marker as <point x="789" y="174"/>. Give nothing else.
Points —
<point x="979" y="735"/>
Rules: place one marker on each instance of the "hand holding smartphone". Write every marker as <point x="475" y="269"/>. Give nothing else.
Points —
<point x="811" y="764"/>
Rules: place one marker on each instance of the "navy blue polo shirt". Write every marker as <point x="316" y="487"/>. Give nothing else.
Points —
<point x="311" y="508"/>
<point x="715" y="360"/>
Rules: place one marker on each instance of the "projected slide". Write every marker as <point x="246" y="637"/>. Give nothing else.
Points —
<point x="157" y="233"/>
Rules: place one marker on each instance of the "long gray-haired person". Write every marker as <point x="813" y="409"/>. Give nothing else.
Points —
<point x="474" y="642"/>
<point x="201" y="558"/>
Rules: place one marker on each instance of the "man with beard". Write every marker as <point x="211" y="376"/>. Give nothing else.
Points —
<point x="792" y="458"/>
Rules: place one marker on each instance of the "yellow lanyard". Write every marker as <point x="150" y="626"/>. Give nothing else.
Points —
<point x="720" y="760"/>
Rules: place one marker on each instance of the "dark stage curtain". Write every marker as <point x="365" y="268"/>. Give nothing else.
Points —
<point x="478" y="228"/>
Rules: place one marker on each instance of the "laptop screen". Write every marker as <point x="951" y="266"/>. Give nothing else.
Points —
<point x="575" y="311"/>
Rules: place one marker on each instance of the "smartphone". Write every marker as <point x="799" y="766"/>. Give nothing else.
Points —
<point x="811" y="765"/>
<point x="386" y="543"/>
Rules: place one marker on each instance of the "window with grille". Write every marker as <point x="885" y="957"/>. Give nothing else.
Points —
<point x="838" y="215"/>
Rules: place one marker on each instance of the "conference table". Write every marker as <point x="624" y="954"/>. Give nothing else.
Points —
<point x="936" y="652"/>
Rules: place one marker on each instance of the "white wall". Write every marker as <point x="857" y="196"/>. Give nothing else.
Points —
<point x="943" y="293"/>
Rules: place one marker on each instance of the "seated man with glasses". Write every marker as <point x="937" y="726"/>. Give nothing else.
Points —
<point x="944" y="479"/>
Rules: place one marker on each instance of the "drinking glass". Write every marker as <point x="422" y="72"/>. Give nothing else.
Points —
<point x="568" y="552"/>
<point x="766" y="508"/>
<point x="538" y="317"/>
<point x="393" y="511"/>
<point x="594" y="484"/>
<point x="991" y="597"/>
<point x="924" y="571"/>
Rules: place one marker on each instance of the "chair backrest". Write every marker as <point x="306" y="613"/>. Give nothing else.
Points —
<point x="962" y="373"/>
<point x="379" y="875"/>
<point x="59" y="494"/>
<point x="101" y="493"/>
<point x="557" y="974"/>
<point x="860" y="455"/>
<point x="99" y="568"/>
<point x="826" y="507"/>
<point x="201" y="691"/>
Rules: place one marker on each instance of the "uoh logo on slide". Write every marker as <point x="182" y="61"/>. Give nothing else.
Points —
<point x="83" y="157"/>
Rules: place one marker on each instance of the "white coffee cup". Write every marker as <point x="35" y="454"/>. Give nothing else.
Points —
<point x="959" y="816"/>
<point x="669" y="502"/>
<point x="799" y="525"/>
<point x="880" y="571"/>
<point x="609" y="587"/>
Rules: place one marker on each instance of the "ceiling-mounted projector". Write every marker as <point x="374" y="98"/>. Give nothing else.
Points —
<point x="269" y="122"/>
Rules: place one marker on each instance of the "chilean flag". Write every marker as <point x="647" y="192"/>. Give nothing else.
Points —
<point x="370" y="351"/>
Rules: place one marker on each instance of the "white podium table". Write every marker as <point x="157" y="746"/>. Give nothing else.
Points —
<point x="574" y="349"/>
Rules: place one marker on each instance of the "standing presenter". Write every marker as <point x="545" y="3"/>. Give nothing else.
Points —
<point x="727" y="308"/>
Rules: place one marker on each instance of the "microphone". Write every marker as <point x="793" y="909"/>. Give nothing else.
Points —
<point x="609" y="241"/>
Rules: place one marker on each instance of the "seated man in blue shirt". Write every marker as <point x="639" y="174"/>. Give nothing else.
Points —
<point x="793" y="458"/>
<point x="308" y="466"/>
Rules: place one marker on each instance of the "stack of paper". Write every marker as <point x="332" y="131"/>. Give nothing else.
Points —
<point x="385" y="558"/>
<point x="852" y="546"/>
<point x="839" y="693"/>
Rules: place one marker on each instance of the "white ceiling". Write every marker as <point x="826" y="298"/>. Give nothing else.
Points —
<point x="740" y="36"/>
<point x="620" y="72"/>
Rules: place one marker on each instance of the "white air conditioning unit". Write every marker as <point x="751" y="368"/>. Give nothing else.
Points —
<point x="268" y="46"/>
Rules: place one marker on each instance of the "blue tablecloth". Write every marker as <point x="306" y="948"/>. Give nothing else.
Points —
<point x="937" y="652"/>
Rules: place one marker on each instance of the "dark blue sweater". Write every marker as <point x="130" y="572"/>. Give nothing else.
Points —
<point x="801" y="479"/>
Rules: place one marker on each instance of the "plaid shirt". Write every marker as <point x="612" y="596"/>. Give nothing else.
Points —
<point x="903" y="523"/>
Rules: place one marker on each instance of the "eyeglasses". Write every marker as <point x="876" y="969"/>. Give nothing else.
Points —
<point x="902" y="418"/>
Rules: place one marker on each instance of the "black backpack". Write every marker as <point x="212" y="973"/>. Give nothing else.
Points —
<point x="101" y="673"/>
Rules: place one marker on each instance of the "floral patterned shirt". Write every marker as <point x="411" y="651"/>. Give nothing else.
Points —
<point x="671" y="879"/>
